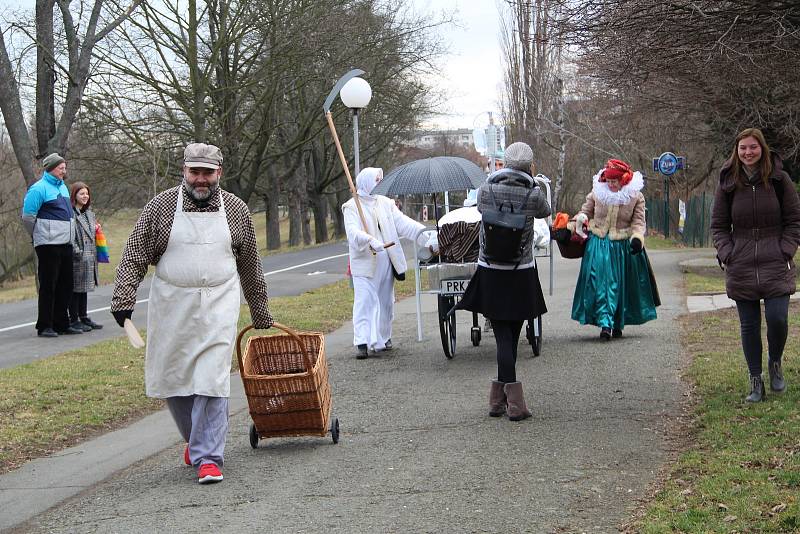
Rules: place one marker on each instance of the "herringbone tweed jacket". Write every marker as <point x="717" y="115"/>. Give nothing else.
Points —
<point x="84" y="258"/>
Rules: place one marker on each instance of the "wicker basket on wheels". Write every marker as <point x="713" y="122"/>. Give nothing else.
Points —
<point x="285" y="380"/>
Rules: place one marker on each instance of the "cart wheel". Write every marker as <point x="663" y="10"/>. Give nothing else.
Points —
<point x="535" y="335"/>
<point x="253" y="437"/>
<point x="475" y="335"/>
<point x="335" y="429"/>
<point x="447" y="326"/>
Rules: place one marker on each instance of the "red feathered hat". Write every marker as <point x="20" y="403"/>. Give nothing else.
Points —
<point x="616" y="169"/>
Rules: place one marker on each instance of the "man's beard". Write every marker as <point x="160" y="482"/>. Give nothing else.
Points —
<point x="199" y="197"/>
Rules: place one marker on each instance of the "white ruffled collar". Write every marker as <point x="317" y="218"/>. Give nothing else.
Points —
<point x="605" y="195"/>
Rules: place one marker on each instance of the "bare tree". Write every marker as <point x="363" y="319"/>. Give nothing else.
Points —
<point x="52" y="132"/>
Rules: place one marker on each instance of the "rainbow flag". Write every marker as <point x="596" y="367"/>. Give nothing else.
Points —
<point x="102" y="246"/>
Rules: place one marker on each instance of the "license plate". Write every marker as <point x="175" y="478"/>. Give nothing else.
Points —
<point x="454" y="287"/>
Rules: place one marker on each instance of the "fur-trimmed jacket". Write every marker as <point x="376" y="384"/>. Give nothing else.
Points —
<point x="617" y="215"/>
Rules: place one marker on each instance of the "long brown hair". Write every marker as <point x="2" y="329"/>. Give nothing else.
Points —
<point x="73" y="192"/>
<point x="764" y="164"/>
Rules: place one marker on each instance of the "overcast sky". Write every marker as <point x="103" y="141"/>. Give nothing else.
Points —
<point x="472" y="72"/>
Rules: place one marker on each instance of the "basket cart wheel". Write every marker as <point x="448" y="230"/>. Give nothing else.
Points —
<point x="335" y="429"/>
<point x="533" y="331"/>
<point x="253" y="437"/>
<point x="447" y="326"/>
<point x="475" y="335"/>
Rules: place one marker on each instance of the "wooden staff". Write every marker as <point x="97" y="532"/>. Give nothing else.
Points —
<point x="353" y="189"/>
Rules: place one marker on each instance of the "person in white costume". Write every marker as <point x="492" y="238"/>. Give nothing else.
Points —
<point x="202" y="243"/>
<point x="374" y="267"/>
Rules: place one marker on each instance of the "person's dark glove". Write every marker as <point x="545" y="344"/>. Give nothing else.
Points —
<point x="636" y="245"/>
<point x="121" y="315"/>
<point x="562" y="235"/>
<point x="264" y="322"/>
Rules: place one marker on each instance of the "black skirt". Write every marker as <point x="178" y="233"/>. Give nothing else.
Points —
<point x="504" y="294"/>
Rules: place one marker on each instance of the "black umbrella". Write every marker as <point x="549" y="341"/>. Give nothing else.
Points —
<point x="431" y="175"/>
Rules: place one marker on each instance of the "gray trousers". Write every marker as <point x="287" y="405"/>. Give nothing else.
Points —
<point x="203" y="423"/>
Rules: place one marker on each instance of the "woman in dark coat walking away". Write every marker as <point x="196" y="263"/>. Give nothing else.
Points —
<point x="507" y="290"/>
<point x="84" y="260"/>
<point x="755" y="224"/>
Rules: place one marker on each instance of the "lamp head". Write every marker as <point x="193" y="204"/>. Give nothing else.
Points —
<point x="356" y="93"/>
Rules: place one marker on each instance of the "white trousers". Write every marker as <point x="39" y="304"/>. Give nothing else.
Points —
<point x="373" y="307"/>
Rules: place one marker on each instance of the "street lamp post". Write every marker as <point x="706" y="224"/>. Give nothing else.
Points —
<point x="356" y="94"/>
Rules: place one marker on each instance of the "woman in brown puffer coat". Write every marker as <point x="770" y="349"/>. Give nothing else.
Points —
<point x="755" y="225"/>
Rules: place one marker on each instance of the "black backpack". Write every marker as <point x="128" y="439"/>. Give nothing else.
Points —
<point x="502" y="231"/>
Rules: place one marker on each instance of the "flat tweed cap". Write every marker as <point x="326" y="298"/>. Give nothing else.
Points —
<point x="519" y="156"/>
<point x="202" y="155"/>
<point x="51" y="161"/>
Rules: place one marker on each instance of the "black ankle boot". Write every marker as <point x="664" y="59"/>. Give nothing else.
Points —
<point x="616" y="333"/>
<point x="605" y="333"/>
<point x="757" y="393"/>
<point x="362" y="352"/>
<point x="776" y="382"/>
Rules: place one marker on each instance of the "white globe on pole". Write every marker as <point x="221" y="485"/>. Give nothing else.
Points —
<point x="356" y="93"/>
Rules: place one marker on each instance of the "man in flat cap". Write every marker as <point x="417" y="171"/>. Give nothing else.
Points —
<point x="202" y="243"/>
<point x="48" y="217"/>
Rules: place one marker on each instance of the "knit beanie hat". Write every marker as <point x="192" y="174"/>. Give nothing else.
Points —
<point x="52" y="161"/>
<point x="519" y="156"/>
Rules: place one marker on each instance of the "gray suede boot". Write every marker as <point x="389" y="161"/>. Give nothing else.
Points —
<point x="497" y="399"/>
<point x="776" y="382"/>
<point x="757" y="393"/>
<point x="517" y="411"/>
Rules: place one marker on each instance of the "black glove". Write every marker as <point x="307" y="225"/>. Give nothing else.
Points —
<point x="636" y="245"/>
<point x="121" y="315"/>
<point x="562" y="235"/>
<point x="267" y="322"/>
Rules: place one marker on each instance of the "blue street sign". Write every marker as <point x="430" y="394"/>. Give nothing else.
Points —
<point x="668" y="163"/>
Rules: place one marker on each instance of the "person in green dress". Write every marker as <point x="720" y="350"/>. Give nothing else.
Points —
<point x="616" y="286"/>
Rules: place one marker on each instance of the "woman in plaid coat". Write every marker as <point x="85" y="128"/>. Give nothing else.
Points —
<point x="84" y="258"/>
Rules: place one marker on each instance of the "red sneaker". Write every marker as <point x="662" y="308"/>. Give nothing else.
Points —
<point x="209" y="473"/>
<point x="186" y="458"/>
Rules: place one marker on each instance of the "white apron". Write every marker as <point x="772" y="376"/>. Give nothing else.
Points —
<point x="194" y="308"/>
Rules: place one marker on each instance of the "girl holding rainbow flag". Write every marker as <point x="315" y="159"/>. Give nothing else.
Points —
<point x="89" y="247"/>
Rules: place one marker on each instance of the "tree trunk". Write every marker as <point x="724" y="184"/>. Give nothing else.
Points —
<point x="319" y="205"/>
<point x="306" y="221"/>
<point x="13" y="116"/>
<point x="195" y="77"/>
<point x="338" y="227"/>
<point x="45" y="77"/>
<point x="295" y="221"/>
<point x="562" y="148"/>
<point x="273" y="221"/>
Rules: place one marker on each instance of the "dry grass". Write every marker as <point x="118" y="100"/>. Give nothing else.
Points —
<point x="742" y="471"/>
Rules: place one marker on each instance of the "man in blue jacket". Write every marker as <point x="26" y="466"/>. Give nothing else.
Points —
<point x="48" y="217"/>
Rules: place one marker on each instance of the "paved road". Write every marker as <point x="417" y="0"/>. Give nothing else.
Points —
<point x="290" y="273"/>
<point x="418" y="452"/>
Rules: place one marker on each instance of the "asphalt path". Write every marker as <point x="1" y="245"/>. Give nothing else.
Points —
<point x="289" y="273"/>
<point x="418" y="452"/>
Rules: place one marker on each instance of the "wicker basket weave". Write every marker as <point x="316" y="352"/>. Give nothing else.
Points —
<point x="285" y="379"/>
